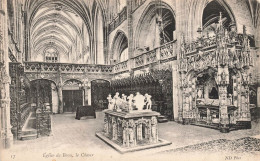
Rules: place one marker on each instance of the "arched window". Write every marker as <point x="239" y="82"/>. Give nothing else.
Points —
<point x="120" y="47"/>
<point x="211" y="16"/>
<point x="156" y="27"/>
<point x="124" y="55"/>
<point x="51" y="55"/>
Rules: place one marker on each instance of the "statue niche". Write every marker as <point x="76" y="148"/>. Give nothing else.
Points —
<point x="213" y="93"/>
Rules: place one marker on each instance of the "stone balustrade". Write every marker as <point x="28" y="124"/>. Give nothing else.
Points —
<point x="66" y="68"/>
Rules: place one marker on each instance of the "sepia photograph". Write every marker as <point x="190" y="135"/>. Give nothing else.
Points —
<point x="129" y="80"/>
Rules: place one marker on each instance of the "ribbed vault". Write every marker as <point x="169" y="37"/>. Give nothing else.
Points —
<point x="66" y="26"/>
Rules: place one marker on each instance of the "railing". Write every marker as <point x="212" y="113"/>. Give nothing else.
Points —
<point x="167" y="50"/>
<point x="162" y="53"/>
<point x="209" y="42"/>
<point x="66" y="67"/>
<point x="121" y="67"/>
<point x="25" y="110"/>
<point x="118" y="20"/>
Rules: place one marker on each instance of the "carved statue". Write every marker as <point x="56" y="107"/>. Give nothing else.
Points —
<point x="117" y="100"/>
<point x="139" y="101"/>
<point x="130" y="102"/>
<point x="199" y="93"/>
<point x="111" y="102"/>
<point x="230" y="99"/>
<point x="124" y="97"/>
<point x="148" y="101"/>
<point x="131" y="136"/>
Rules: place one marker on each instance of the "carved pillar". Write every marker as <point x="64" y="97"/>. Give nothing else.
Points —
<point x="132" y="132"/>
<point x="181" y="97"/>
<point x="154" y="130"/>
<point x="245" y="110"/>
<point x="114" y="130"/>
<point x="106" y="125"/>
<point x="208" y="116"/>
<point x="223" y="112"/>
<point x="185" y="102"/>
<point x="6" y="136"/>
<point x="149" y="132"/>
<point x="223" y="81"/>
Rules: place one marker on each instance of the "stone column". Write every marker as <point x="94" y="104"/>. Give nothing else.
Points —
<point x="6" y="136"/>
<point x="258" y="97"/>
<point x="60" y="97"/>
<point x="208" y="116"/>
<point x="89" y="96"/>
<point x="85" y="95"/>
<point x="129" y="4"/>
<point x="175" y="89"/>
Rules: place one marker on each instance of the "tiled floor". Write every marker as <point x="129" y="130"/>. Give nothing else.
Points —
<point x="71" y="136"/>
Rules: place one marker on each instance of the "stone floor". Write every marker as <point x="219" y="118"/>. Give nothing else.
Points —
<point x="73" y="139"/>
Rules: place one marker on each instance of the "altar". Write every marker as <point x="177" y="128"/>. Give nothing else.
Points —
<point x="131" y="131"/>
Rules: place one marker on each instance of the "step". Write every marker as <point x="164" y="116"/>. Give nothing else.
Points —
<point x="29" y="137"/>
<point x="29" y="131"/>
<point x="207" y="126"/>
<point x="162" y="120"/>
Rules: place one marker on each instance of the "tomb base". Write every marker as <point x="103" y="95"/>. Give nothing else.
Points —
<point x="127" y="132"/>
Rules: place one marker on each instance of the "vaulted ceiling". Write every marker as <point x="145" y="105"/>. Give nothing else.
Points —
<point x="65" y="26"/>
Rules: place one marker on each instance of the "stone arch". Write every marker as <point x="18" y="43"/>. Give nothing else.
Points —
<point x="71" y="79"/>
<point x="42" y="91"/>
<point x="197" y="9"/>
<point x="107" y="80"/>
<point x="119" y="44"/>
<point x="147" y="22"/>
<point x="48" y="79"/>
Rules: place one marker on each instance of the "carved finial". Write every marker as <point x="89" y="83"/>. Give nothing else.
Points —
<point x="220" y="18"/>
<point x="244" y="29"/>
<point x="182" y="38"/>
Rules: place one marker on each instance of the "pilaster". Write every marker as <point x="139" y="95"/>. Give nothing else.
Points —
<point x="6" y="136"/>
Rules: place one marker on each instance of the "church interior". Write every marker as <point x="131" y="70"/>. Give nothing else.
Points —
<point x="194" y="62"/>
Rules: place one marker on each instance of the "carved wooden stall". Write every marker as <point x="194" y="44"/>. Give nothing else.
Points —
<point x="214" y="80"/>
<point x="41" y="96"/>
<point x="99" y="92"/>
<point x="158" y="83"/>
<point x="19" y="95"/>
<point x="41" y="92"/>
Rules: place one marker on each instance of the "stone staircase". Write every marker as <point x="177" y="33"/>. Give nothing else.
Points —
<point x="29" y="131"/>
